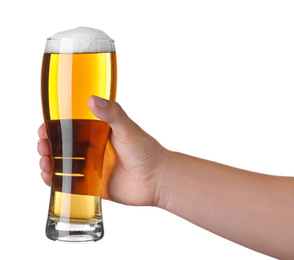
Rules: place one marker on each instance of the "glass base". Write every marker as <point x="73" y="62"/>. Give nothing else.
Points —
<point x="74" y="232"/>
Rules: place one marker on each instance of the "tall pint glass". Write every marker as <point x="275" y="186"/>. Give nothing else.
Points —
<point x="76" y="64"/>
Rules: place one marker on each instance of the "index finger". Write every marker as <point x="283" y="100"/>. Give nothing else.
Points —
<point x="42" y="132"/>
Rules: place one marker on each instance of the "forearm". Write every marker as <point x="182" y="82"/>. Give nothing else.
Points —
<point x="252" y="209"/>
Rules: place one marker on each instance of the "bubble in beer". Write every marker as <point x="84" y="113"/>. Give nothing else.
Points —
<point x="80" y="40"/>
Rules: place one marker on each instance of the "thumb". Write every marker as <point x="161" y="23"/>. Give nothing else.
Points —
<point x="112" y="113"/>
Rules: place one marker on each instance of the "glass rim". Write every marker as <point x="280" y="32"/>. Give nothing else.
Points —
<point x="79" y="45"/>
<point x="81" y="38"/>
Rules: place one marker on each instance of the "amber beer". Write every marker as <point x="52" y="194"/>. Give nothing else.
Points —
<point x="72" y="71"/>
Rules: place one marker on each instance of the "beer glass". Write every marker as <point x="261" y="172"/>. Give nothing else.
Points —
<point x="76" y="64"/>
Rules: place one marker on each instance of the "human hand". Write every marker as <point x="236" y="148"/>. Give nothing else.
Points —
<point x="133" y="173"/>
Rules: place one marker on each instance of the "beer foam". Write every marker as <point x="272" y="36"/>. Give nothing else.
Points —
<point x="80" y="40"/>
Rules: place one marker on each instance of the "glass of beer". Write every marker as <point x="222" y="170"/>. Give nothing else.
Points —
<point x="77" y="64"/>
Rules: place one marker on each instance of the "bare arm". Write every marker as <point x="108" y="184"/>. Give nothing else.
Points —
<point x="251" y="209"/>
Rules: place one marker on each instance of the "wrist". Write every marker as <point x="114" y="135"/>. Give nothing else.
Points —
<point x="162" y="193"/>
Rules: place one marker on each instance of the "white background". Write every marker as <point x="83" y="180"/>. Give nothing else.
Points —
<point x="212" y="79"/>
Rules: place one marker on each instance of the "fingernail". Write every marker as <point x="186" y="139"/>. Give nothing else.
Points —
<point x="100" y="102"/>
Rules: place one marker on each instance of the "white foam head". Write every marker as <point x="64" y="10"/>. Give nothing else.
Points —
<point x="80" y="40"/>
